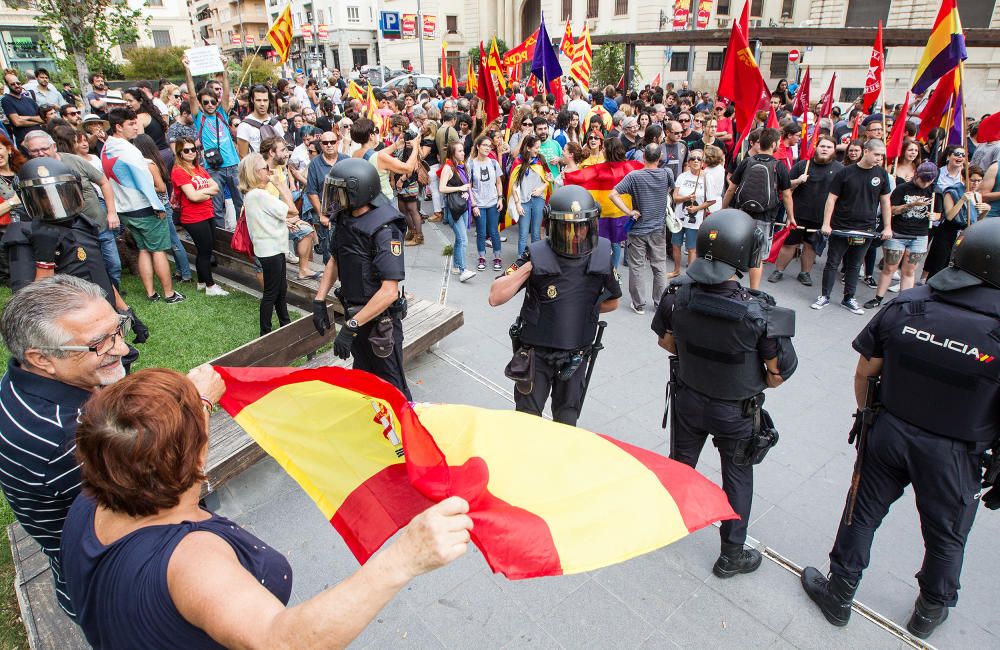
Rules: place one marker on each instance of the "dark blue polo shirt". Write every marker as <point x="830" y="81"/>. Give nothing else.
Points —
<point x="25" y="107"/>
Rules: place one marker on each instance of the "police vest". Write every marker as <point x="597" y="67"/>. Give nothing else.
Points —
<point x="717" y="339"/>
<point x="78" y="254"/>
<point x="562" y="301"/>
<point x="939" y="370"/>
<point x="354" y="248"/>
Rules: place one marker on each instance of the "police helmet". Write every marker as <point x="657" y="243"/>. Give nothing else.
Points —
<point x="729" y="242"/>
<point x="573" y="215"/>
<point x="974" y="260"/>
<point x="352" y="184"/>
<point x="49" y="190"/>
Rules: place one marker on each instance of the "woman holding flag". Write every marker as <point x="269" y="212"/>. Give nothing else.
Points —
<point x="530" y="186"/>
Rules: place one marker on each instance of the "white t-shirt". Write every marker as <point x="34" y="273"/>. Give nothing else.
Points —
<point x="687" y="184"/>
<point x="299" y="92"/>
<point x="251" y="133"/>
<point x="299" y="159"/>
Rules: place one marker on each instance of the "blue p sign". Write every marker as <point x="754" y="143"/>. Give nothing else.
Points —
<point x="390" y="23"/>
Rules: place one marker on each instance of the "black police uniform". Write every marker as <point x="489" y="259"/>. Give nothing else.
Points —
<point x="368" y="250"/>
<point x="723" y="334"/>
<point x="559" y="322"/>
<point x="941" y="412"/>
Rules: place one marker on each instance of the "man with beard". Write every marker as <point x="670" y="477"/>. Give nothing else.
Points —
<point x="550" y="149"/>
<point x="810" y="186"/>
<point x="301" y="235"/>
<point x="95" y="98"/>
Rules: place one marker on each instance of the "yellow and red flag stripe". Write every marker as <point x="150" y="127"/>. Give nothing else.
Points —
<point x="545" y="498"/>
<point x="495" y="68"/>
<point x="280" y="34"/>
<point x="583" y="59"/>
<point x="567" y="45"/>
<point x="599" y="180"/>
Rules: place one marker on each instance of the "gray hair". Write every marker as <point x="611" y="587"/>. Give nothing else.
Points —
<point x="38" y="133"/>
<point x="30" y="319"/>
<point x="651" y="153"/>
<point x="617" y="118"/>
<point x="419" y="112"/>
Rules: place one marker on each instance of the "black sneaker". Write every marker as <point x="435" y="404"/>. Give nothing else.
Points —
<point x="775" y="276"/>
<point x="174" y="299"/>
<point x="497" y="265"/>
<point x="805" y="279"/>
<point x="153" y="298"/>
<point x="870" y="281"/>
<point x="482" y="264"/>
<point x="875" y="302"/>
<point x="729" y="564"/>
<point x="926" y="617"/>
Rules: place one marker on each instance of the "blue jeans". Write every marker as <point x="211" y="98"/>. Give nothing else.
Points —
<point x="109" y="251"/>
<point x="460" y="227"/>
<point x="616" y="254"/>
<point x="227" y="179"/>
<point x="180" y="255"/>
<point x="488" y="222"/>
<point x="532" y="219"/>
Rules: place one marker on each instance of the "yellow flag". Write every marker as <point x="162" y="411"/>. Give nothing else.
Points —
<point x="280" y="34"/>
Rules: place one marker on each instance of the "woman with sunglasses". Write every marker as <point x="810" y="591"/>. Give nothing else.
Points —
<point x="594" y="147"/>
<point x="525" y="127"/>
<point x="195" y="189"/>
<point x="962" y="207"/>
<point x="952" y="168"/>
<point x="690" y="208"/>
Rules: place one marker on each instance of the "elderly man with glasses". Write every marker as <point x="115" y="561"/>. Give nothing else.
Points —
<point x="65" y="342"/>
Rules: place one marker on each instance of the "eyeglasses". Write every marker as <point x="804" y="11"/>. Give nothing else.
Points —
<point x="525" y="123"/>
<point x="72" y="112"/>
<point x="176" y="95"/>
<point x="38" y="151"/>
<point x="209" y="102"/>
<point x="696" y="159"/>
<point x="103" y="345"/>
<point x="594" y="139"/>
<point x="685" y="119"/>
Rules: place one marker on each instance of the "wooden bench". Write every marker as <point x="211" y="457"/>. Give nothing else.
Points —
<point x="230" y="451"/>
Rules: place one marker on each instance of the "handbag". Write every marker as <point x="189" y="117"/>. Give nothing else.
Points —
<point x="457" y="204"/>
<point x="241" y="242"/>
<point x="673" y="223"/>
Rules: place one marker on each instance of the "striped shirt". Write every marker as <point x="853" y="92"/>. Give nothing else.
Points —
<point x="39" y="473"/>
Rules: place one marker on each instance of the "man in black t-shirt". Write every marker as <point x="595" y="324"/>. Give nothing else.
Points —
<point x="856" y="193"/>
<point x="912" y="204"/>
<point x="810" y="186"/>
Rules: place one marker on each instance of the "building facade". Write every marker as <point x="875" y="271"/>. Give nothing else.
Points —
<point x="238" y="27"/>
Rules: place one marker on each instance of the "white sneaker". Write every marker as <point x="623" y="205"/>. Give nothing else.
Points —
<point x="215" y="290"/>
<point x="454" y="270"/>
<point x="820" y="303"/>
<point x="894" y="288"/>
<point x="466" y="276"/>
<point x="292" y="258"/>
<point x="201" y="286"/>
<point x="895" y="275"/>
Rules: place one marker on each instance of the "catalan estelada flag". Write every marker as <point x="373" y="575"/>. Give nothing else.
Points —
<point x="354" y="90"/>
<point x="945" y="47"/>
<point x="545" y="498"/>
<point x="599" y="180"/>
<point x="280" y="34"/>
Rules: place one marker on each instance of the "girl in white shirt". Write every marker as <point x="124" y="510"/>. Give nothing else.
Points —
<point x="690" y="208"/>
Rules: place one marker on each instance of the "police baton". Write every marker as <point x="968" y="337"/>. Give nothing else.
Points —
<point x="596" y="347"/>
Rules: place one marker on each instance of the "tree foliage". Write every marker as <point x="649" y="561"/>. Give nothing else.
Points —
<point x="154" y="63"/>
<point x="608" y="65"/>
<point x="261" y="70"/>
<point x="474" y="51"/>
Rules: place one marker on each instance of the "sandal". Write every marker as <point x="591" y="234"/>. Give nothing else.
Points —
<point x="315" y="276"/>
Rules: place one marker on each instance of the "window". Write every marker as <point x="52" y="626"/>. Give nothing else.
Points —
<point x="330" y="12"/>
<point x="405" y="64"/>
<point x="455" y="61"/>
<point x="848" y="95"/>
<point x="756" y="7"/>
<point x="592" y="8"/>
<point x="865" y="13"/>
<point x="567" y="9"/>
<point x="452" y="23"/>
<point x="722" y="8"/>
<point x="787" y="9"/>
<point x="161" y="38"/>
<point x="715" y="61"/>
<point x="354" y="16"/>
<point x="977" y="13"/>
<point x="779" y="64"/>
<point x="359" y="54"/>
<point x="155" y="3"/>
<point x="621" y="7"/>
<point x="679" y="62"/>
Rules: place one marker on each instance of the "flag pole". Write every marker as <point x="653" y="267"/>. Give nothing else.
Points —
<point x="247" y="71"/>
<point x="961" y="89"/>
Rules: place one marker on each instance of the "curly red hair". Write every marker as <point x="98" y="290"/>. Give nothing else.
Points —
<point x="16" y="157"/>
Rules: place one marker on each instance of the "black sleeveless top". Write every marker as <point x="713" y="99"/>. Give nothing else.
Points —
<point x="155" y="130"/>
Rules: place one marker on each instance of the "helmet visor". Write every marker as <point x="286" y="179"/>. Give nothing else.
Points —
<point x="573" y="238"/>
<point x="334" y="199"/>
<point x="55" y="198"/>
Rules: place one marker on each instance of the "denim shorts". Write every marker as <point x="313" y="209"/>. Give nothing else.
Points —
<point x="298" y="235"/>
<point x="687" y="237"/>
<point x="915" y="245"/>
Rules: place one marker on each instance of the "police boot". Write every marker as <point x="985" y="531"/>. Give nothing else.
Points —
<point x="926" y="617"/>
<point x="140" y="329"/>
<point x="834" y="596"/>
<point x="735" y="558"/>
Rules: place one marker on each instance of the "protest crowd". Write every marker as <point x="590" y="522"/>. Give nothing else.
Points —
<point x="874" y="193"/>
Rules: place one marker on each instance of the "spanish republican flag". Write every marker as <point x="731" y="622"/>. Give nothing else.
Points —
<point x="599" y="180"/>
<point x="280" y="34"/>
<point x="945" y="48"/>
<point x="545" y="498"/>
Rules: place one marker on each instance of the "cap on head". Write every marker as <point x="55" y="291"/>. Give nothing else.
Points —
<point x="927" y="171"/>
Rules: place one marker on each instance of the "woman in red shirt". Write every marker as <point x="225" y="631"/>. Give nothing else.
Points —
<point x="195" y="190"/>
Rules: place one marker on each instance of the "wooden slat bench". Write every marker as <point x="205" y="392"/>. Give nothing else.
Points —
<point x="230" y="451"/>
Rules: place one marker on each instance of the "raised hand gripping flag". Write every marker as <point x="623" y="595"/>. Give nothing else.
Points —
<point x="945" y="48"/>
<point x="545" y="498"/>
<point x="280" y="34"/>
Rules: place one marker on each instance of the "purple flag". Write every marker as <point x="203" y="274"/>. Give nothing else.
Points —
<point x="545" y="64"/>
<point x="958" y="119"/>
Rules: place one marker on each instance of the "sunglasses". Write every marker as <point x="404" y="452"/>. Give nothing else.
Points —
<point x="685" y="119"/>
<point x="188" y="150"/>
<point x="958" y="154"/>
<point x="696" y="159"/>
<point x="72" y="112"/>
<point x="328" y="142"/>
<point x="209" y="102"/>
<point x="594" y="139"/>
<point x="525" y="123"/>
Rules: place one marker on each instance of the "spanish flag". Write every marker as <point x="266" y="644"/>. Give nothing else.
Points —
<point x="545" y="498"/>
<point x="599" y="180"/>
<point x="945" y="48"/>
<point x="280" y="34"/>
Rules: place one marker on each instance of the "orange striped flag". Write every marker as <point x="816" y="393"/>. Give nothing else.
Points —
<point x="280" y="34"/>
<point x="545" y="498"/>
<point x="493" y="63"/>
<point x="583" y="59"/>
<point x="470" y="79"/>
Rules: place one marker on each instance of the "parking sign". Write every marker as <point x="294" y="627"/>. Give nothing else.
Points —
<point x="390" y="24"/>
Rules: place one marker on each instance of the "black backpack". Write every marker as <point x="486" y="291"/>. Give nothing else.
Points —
<point x="758" y="190"/>
<point x="266" y="129"/>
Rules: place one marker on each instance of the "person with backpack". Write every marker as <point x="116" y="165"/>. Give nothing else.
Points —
<point x="259" y="125"/>
<point x="760" y="187"/>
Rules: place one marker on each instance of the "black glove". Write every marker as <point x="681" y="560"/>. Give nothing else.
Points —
<point x="344" y="341"/>
<point x="855" y="432"/>
<point x="321" y="318"/>
<point x="140" y="329"/>
<point x="991" y="499"/>
<point x="44" y="242"/>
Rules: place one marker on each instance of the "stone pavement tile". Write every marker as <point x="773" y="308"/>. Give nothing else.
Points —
<point x="794" y="538"/>
<point x="658" y="641"/>
<point x="262" y="482"/>
<point x="771" y="594"/>
<point x="427" y="588"/>
<point x="810" y="631"/>
<point x="538" y="596"/>
<point x="397" y="625"/>
<point x="592" y="618"/>
<point x="652" y="585"/>
<point x="475" y="614"/>
<point x="709" y="620"/>
<point x="629" y="430"/>
<point x="533" y="636"/>
<point x="696" y="553"/>
<point x="781" y="644"/>
<point x="774" y="481"/>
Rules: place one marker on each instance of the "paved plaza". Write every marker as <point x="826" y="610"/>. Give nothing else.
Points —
<point x="668" y="598"/>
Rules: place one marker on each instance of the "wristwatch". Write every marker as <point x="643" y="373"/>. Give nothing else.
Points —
<point x="353" y="324"/>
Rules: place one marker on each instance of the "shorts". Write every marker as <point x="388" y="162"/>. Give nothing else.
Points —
<point x="686" y="237"/>
<point x="799" y="236"/>
<point x="295" y="236"/>
<point x="915" y="245"/>
<point x="767" y="227"/>
<point x="150" y="233"/>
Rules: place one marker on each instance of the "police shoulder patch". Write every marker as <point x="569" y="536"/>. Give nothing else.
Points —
<point x="81" y="254"/>
<point x="551" y="291"/>
<point x="396" y="247"/>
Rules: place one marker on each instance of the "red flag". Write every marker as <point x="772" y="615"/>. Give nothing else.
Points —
<point x="656" y="80"/>
<point x="741" y="81"/>
<point x="772" y="119"/>
<point x="801" y="104"/>
<point x="568" y="45"/>
<point x="453" y="82"/>
<point x="854" y="130"/>
<point x="825" y="110"/>
<point x="989" y="129"/>
<point x="745" y="20"/>
<point x="485" y="89"/>
<point x="894" y="148"/>
<point x="557" y="91"/>
<point x="937" y="106"/>
<point x="873" y="84"/>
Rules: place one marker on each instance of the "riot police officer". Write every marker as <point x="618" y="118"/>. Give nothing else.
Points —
<point x="367" y="257"/>
<point x="59" y="238"/>
<point x="936" y="419"/>
<point x="730" y="344"/>
<point x="569" y="281"/>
